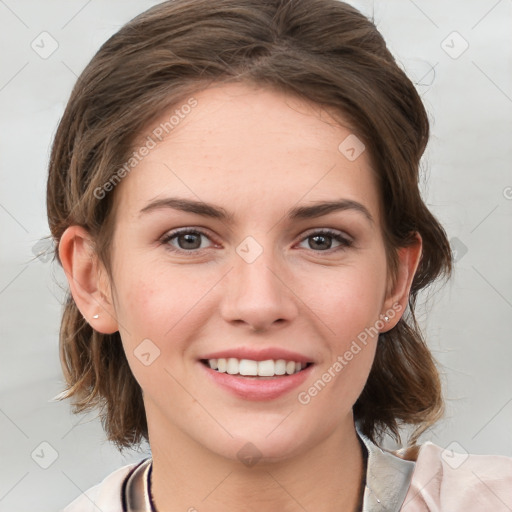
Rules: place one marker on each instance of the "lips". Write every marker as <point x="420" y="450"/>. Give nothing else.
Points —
<point x="241" y="380"/>
<point x="256" y="388"/>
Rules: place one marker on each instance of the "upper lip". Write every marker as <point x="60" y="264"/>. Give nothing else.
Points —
<point x="260" y="354"/>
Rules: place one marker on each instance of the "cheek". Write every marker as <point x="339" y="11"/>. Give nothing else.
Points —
<point x="157" y="304"/>
<point x="349" y="304"/>
<point x="349" y="298"/>
<point x="148" y="308"/>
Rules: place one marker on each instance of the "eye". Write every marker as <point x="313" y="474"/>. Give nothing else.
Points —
<point x="188" y="240"/>
<point x="184" y="240"/>
<point x="321" y="240"/>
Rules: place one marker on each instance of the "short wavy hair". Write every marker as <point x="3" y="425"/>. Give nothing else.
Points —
<point x="323" y="51"/>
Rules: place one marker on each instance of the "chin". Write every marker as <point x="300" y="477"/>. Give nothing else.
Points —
<point x="263" y="442"/>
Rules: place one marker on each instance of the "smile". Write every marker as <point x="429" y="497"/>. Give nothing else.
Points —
<point x="248" y="379"/>
<point x="252" y="368"/>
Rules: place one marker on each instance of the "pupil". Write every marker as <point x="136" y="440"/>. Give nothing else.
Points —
<point x="189" y="239"/>
<point x="322" y="237"/>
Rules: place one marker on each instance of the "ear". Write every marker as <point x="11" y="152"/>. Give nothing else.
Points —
<point x="88" y="280"/>
<point x="397" y="297"/>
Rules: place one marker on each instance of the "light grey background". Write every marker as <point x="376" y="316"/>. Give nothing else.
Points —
<point x="468" y="185"/>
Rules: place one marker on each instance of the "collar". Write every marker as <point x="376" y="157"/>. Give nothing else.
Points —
<point x="135" y="493"/>
<point x="388" y="477"/>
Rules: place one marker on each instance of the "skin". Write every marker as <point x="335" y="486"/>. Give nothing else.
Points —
<point x="257" y="153"/>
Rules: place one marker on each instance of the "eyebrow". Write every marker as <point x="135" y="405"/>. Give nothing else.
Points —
<point x="318" y="209"/>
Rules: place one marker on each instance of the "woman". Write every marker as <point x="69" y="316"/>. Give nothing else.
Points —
<point x="233" y="191"/>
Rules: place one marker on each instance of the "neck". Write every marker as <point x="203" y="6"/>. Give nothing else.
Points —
<point x="326" y="477"/>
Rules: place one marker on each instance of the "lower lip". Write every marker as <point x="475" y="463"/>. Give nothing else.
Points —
<point x="256" y="388"/>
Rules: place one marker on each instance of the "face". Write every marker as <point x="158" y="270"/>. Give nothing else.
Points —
<point x="247" y="266"/>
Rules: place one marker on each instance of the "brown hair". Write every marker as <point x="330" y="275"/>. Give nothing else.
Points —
<point x="323" y="51"/>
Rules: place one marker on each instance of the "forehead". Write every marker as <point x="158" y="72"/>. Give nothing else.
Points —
<point x="249" y="147"/>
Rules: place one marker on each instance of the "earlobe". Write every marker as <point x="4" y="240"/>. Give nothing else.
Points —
<point x="397" y="299"/>
<point x="88" y="280"/>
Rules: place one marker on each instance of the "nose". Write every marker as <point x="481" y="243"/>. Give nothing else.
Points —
<point x="259" y="294"/>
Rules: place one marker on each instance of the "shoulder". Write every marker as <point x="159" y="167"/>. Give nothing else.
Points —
<point x="105" y="496"/>
<point x="444" y="479"/>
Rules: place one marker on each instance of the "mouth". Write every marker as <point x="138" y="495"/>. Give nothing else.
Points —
<point x="259" y="379"/>
<point x="256" y="370"/>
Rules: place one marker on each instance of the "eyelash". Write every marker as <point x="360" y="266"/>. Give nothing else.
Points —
<point x="345" y="242"/>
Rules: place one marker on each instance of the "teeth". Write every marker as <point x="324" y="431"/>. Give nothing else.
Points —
<point x="232" y="366"/>
<point x="248" y="367"/>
